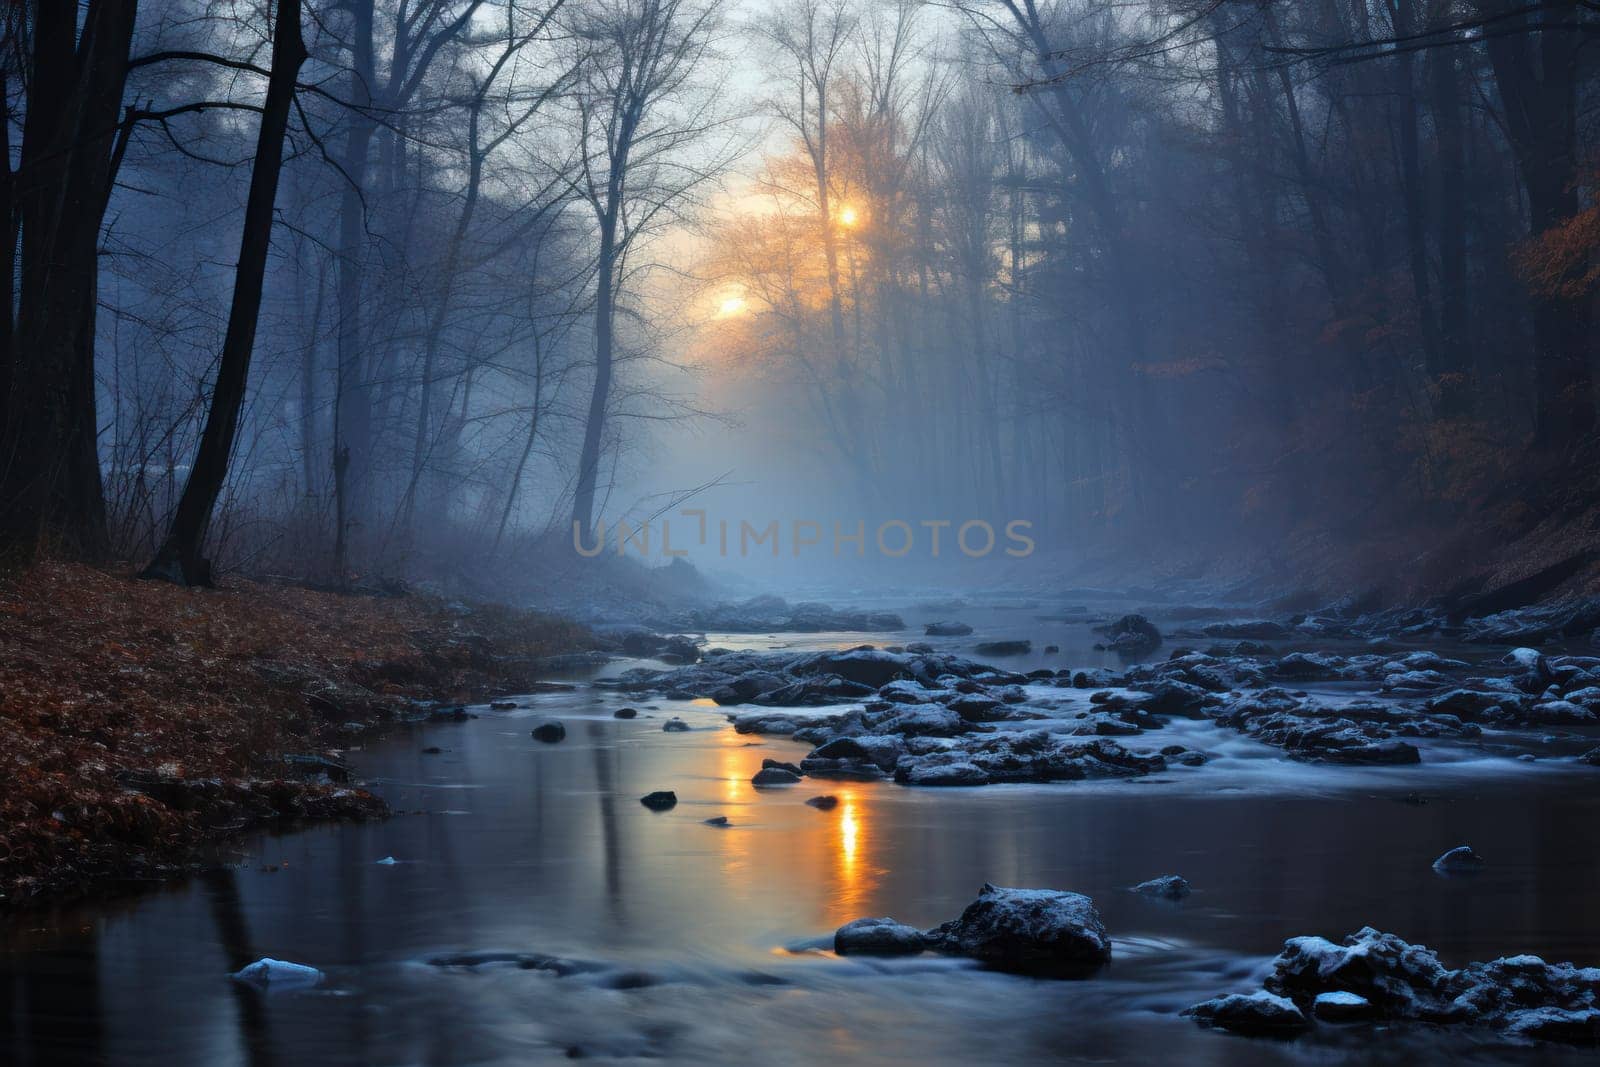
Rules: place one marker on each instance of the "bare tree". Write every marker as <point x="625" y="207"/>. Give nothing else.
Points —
<point x="641" y="106"/>
<point x="812" y="39"/>
<point x="180" y="558"/>
<point x="50" y="485"/>
<point x="378" y="98"/>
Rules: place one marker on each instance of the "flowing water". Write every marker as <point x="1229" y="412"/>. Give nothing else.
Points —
<point x="708" y="944"/>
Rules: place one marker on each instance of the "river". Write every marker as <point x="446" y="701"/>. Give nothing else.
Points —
<point x="697" y="943"/>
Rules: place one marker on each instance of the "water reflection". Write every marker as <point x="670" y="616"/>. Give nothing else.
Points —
<point x="51" y="1003"/>
<point x="853" y="876"/>
<point x="233" y="930"/>
<point x="605" y="759"/>
<point x="734" y="756"/>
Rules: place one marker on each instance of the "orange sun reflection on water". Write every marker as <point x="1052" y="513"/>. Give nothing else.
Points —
<point x="854" y="875"/>
<point x="734" y="766"/>
<point x="820" y="862"/>
<point x="849" y="838"/>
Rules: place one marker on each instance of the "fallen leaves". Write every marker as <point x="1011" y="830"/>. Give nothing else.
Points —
<point x="138" y="719"/>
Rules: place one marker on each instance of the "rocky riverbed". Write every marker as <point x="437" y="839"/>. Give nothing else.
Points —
<point x="929" y="717"/>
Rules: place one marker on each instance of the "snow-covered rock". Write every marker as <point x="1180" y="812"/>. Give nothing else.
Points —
<point x="1169" y="886"/>
<point x="278" y="975"/>
<point x="1339" y="1007"/>
<point x="1029" y="930"/>
<point x="1396" y="977"/>
<point x="1458" y="860"/>
<point x="1260" y="1013"/>
<point x="881" y="937"/>
<point x="867" y="754"/>
<point x="1378" y="975"/>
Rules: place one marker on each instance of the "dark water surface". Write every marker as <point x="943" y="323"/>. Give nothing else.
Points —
<point x="709" y="945"/>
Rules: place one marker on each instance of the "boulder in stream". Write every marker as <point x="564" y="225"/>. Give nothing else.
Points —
<point x="947" y="629"/>
<point x="1341" y="1007"/>
<point x="1259" y="1014"/>
<point x="1131" y="635"/>
<point x="550" y="732"/>
<point x="1028" y="930"/>
<point x="1459" y="860"/>
<point x="878" y="937"/>
<point x="1168" y="887"/>
<point x="660" y="800"/>
<point x="277" y="976"/>
<point x="1378" y="975"/>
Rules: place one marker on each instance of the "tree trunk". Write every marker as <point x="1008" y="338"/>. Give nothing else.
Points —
<point x="1537" y="74"/>
<point x="353" y="404"/>
<point x="50" y="487"/>
<point x="1451" y="375"/>
<point x="594" y="427"/>
<point x="527" y="446"/>
<point x="422" y="442"/>
<point x="308" y="394"/>
<point x="1411" y="189"/>
<point x="8" y="250"/>
<point x="180" y="558"/>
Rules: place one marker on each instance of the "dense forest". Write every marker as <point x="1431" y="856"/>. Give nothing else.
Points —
<point x="381" y="286"/>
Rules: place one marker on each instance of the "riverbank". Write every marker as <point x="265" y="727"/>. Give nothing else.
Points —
<point x="139" y="720"/>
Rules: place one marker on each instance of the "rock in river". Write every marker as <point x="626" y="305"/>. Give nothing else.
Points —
<point x="1004" y="648"/>
<point x="660" y="800"/>
<point x="675" y="725"/>
<point x="827" y="802"/>
<point x="1169" y="886"/>
<point x="863" y="666"/>
<point x="277" y="975"/>
<point x="879" y="937"/>
<point x="549" y="732"/>
<point x="769" y="776"/>
<point x="1459" y="860"/>
<point x="1341" y="1007"/>
<point x="1522" y="996"/>
<point x="1028" y="930"/>
<point x="866" y="755"/>
<point x="782" y="765"/>
<point x="1132" y="635"/>
<point x="948" y="629"/>
<point x="1256" y="1014"/>
<point x="1032" y="756"/>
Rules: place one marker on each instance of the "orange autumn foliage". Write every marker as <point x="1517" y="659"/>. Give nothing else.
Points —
<point x="1563" y="262"/>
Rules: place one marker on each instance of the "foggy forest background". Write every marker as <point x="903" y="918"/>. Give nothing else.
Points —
<point x="1146" y="273"/>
